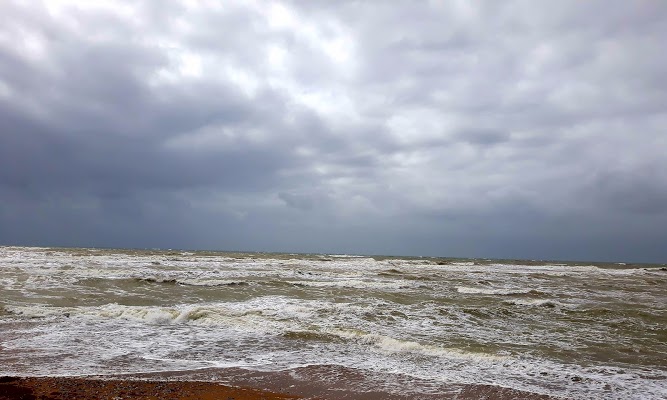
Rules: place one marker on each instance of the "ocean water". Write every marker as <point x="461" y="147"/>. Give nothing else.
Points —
<point x="565" y="329"/>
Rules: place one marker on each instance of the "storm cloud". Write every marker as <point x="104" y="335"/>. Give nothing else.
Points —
<point x="514" y="129"/>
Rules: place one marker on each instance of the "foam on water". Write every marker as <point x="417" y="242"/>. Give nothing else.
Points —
<point x="496" y="291"/>
<point x="392" y="345"/>
<point x="358" y="284"/>
<point x="536" y="303"/>
<point x="574" y="330"/>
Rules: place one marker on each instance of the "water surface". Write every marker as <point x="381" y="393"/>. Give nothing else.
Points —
<point x="566" y="329"/>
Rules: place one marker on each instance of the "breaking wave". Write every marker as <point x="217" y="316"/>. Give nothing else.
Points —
<point x="392" y="345"/>
<point x="356" y="284"/>
<point x="194" y="282"/>
<point x="499" y="291"/>
<point x="547" y="303"/>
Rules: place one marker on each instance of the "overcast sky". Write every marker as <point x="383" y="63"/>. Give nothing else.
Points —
<point x="513" y="129"/>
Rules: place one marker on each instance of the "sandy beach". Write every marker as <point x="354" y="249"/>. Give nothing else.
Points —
<point x="65" y="388"/>
<point x="82" y="388"/>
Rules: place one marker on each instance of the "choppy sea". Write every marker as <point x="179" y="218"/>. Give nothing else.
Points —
<point x="576" y="330"/>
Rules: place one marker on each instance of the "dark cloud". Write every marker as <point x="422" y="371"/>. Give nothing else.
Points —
<point x="638" y="191"/>
<point x="489" y="129"/>
<point x="484" y="137"/>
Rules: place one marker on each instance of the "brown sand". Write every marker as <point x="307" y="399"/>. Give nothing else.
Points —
<point x="66" y="388"/>
<point x="332" y="382"/>
<point x="83" y="388"/>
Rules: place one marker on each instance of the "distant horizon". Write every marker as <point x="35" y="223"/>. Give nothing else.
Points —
<point x="333" y="254"/>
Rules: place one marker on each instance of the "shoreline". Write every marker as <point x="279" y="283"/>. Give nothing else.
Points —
<point x="227" y="385"/>
<point x="62" y="388"/>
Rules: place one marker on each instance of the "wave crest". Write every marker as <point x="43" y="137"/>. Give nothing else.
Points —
<point x="497" y="291"/>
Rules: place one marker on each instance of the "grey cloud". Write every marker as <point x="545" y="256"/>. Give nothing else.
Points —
<point x="484" y="137"/>
<point x="299" y="201"/>
<point x="465" y="129"/>
<point x="637" y="191"/>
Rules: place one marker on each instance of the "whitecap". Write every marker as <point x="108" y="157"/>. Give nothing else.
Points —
<point x="548" y="303"/>
<point x="392" y="345"/>
<point x="492" y="291"/>
<point x="357" y="284"/>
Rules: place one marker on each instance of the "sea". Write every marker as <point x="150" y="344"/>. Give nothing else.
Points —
<point x="408" y="325"/>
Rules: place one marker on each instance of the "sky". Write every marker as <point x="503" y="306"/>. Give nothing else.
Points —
<point x="514" y="129"/>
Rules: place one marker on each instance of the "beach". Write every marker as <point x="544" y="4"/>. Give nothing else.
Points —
<point x="82" y="388"/>
<point x="65" y="388"/>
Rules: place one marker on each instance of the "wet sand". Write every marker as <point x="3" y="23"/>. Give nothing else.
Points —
<point x="83" y="388"/>
<point x="61" y="388"/>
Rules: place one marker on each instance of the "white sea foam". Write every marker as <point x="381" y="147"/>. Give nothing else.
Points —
<point x="34" y="311"/>
<point x="550" y="303"/>
<point x="153" y="315"/>
<point x="357" y="284"/>
<point x="392" y="345"/>
<point x="492" y="291"/>
<point x="272" y="313"/>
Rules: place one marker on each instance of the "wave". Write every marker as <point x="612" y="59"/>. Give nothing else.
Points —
<point x="310" y="335"/>
<point x="4" y="311"/>
<point x="547" y="303"/>
<point x="500" y="292"/>
<point x="546" y="269"/>
<point x="647" y="317"/>
<point x="147" y="314"/>
<point x="262" y="314"/>
<point x="355" y="284"/>
<point x="194" y="282"/>
<point x="36" y="311"/>
<point x="157" y="280"/>
<point x="394" y="273"/>
<point x="392" y="345"/>
<point x="391" y="272"/>
<point x="249" y="320"/>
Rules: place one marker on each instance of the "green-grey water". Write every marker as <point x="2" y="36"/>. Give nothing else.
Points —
<point x="576" y="330"/>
